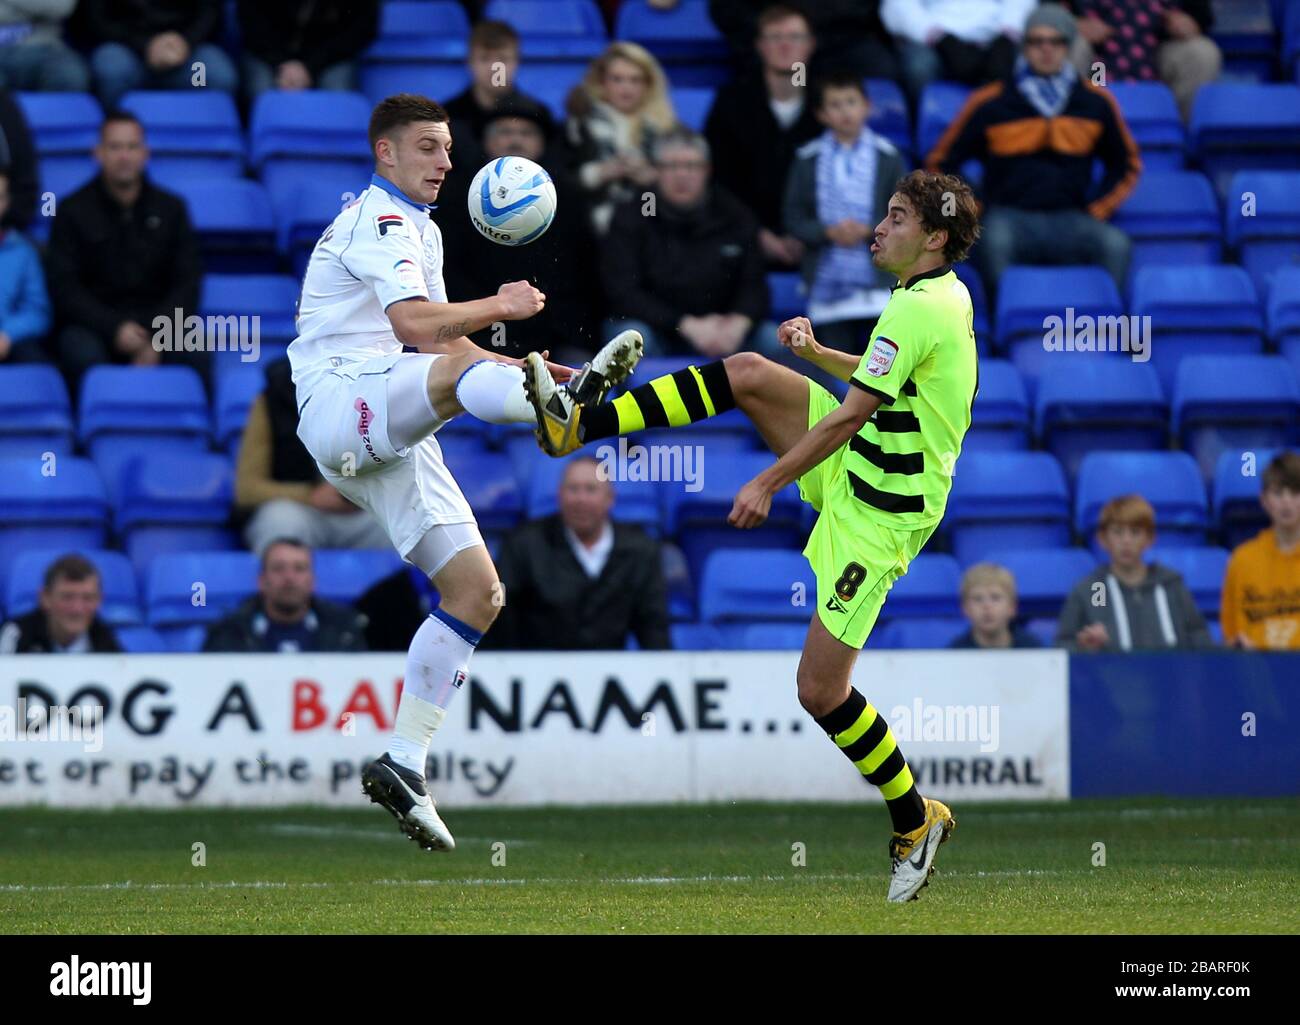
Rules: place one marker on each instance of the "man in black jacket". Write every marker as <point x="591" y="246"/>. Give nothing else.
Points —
<point x="285" y="615"/>
<point x="578" y="581"/>
<point x="683" y="266"/>
<point x="122" y="254"/>
<point x="67" y="621"/>
<point x="304" y="45"/>
<point x="145" y="44"/>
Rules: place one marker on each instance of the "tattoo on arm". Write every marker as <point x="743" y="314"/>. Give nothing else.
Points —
<point x="449" y="331"/>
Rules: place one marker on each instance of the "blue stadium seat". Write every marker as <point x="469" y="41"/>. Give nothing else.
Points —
<point x="1044" y="628"/>
<point x="235" y="391"/>
<point x="634" y="501"/>
<point x="1102" y="404"/>
<point x="766" y="636"/>
<point x="1151" y="113"/>
<point x="1001" y="499"/>
<point x="930" y="587"/>
<point x="682" y="606"/>
<point x="767" y="584"/>
<point x="50" y="504"/>
<point x="174" y="599"/>
<point x="141" y="640"/>
<point x="195" y="132"/>
<point x="1044" y="576"/>
<point x="145" y="403"/>
<point x="488" y="483"/>
<point x="1029" y="296"/>
<point x="35" y="412"/>
<point x="1202" y="569"/>
<point x="698" y="520"/>
<point x="889" y="116"/>
<point x="303" y="210"/>
<point x="1170" y="481"/>
<point x="1256" y="404"/>
<point x="555" y="30"/>
<point x="234" y="222"/>
<point x="1194" y="311"/>
<point x="121" y="601"/>
<point x="1269" y="239"/>
<point x="1000" y="421"/>
<point x="1289" y="23"/>
<point x="271" y="298"/>
<point x="1172" y="218"/>
<point x="297" y="136"/>
<point x="684" y="39"/>
<point x="345" y="574"/>
<point x="787" y="292"/>
<point x="694" y="637"/>
<point x="1244" y="33"/>
<point x="551" y="83"/>
<point x="174" y="502"/>
<point x="1236" y="126"/>
<point x="1237" y="511"/>
<point x="692" y="104"/>
<point x="939" y="106"/>
<point x="923" y="632"/>
<point x="419" y="31"/>
<point x="969" y="277"/>
<point x="437" y="81"/>
<point x="64" y="124"/>
<point x="1284" y="314"/>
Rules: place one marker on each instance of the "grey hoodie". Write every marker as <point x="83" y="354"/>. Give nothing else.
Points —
<point x="45" y="18"/>
<point x="1138" y="615"/>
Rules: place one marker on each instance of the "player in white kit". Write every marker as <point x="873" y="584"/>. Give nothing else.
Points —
<point x="368" y="412"/>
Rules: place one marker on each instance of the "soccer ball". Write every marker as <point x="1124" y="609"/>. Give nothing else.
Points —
<point x="512" y="201"/>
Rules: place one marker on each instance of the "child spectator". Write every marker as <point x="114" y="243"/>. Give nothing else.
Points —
<point x="24" y="304"/>
<point x="988" y="601"/>
<point x="838" y="192"/>
<point x="1128" y="605"/>
<point x="1261" y="590"/>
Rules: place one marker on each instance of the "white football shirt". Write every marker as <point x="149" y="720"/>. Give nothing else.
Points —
<point x="382" y="248"/>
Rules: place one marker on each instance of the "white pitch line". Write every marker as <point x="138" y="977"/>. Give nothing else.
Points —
<point x="376" y="833"/>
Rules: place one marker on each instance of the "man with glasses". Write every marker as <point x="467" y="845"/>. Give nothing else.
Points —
<point x="1037" y="134"/>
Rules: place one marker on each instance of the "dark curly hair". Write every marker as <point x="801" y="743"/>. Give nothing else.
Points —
<point x="943" y="202"/>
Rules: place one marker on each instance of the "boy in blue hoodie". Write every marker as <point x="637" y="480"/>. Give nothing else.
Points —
<point x="24" y="304"/>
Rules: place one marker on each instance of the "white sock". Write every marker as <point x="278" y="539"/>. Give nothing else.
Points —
<point x="437" y="665"/>
<point x="494" y="392"/>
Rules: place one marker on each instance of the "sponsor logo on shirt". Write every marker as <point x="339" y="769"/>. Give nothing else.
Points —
<point x="408" y="274"/>
<point x="365" y="416"/>
<point x="384" y="223"/>
<point x="881" y="357"/>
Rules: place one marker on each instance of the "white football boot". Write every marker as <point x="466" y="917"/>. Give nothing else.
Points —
<point x="403" y="793"/>
<point x="912" y="854"/>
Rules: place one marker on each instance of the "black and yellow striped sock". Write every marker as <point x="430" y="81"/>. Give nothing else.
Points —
<point x="673" y="400"/>
<point x="863" y="735"/>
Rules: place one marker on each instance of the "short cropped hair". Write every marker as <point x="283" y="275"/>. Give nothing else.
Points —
<point x="838" y="80"/>
<point x="493" y="35"/>
<point x="943" y="202"/>
<point x="73" y="568"/>
<point x="779" y="12"/>
<point x="1282" y="473"/>
<point x="292" y="542"/>
<point x="682" y="137"/>
<point x="399" y="111"/>
<point x="988" y="574"/>
<point x="1128" y="511"/>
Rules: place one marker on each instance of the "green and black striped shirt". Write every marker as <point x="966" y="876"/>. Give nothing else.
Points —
<point x="922" y="364"/>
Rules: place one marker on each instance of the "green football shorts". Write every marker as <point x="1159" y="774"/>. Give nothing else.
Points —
<point x="854" y="556"/>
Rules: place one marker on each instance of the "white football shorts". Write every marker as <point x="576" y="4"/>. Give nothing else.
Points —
<point x="369" y="425"/>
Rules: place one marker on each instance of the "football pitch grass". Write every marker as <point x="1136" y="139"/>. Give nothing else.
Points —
<point x="1171" y="866"/>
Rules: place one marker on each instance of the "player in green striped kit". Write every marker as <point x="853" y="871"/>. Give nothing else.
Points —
<point x="877" y="467"/>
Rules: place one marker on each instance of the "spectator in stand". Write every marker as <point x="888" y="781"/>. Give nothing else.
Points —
<point x="493" y="67"/>
<point x="280" y="489"/>
<point x="971" y="41"/>
<point x="690" y="277"/>
<point x="1038" y="134"/>
<point x="838" y="192"/>
<point x="67" y="621"/>
<point x="1148" y="41"/>
<point x="122" y="253"/>
<point x="24" y="304"/>
<point x="285" y="615"/>
<point x="560" y="262"/>
<point x="851" y="37"/>
<point x="33" y="55"/>
<point x="557" y="569"/>
<point x="304" y="44"/>
<point x="1128" y="604"/>
<point x="988" y="601"/>
<point x="18" y="158"/>
<point x="758" y="121"/>
<point x="144" y="44"/>
<point x="615" y="115"/>
<point x="1261" y="590"/>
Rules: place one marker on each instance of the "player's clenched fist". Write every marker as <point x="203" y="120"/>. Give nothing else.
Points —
<point x="796" y="334"/>
<point x="520" y="299"/>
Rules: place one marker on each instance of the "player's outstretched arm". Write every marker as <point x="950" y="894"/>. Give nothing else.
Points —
<point x="831" y="432"/>
<point x="430" y="325"/>
<point x="796" y="334"/>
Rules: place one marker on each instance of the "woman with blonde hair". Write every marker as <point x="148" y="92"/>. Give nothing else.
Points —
<point x="616" y="113"/>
